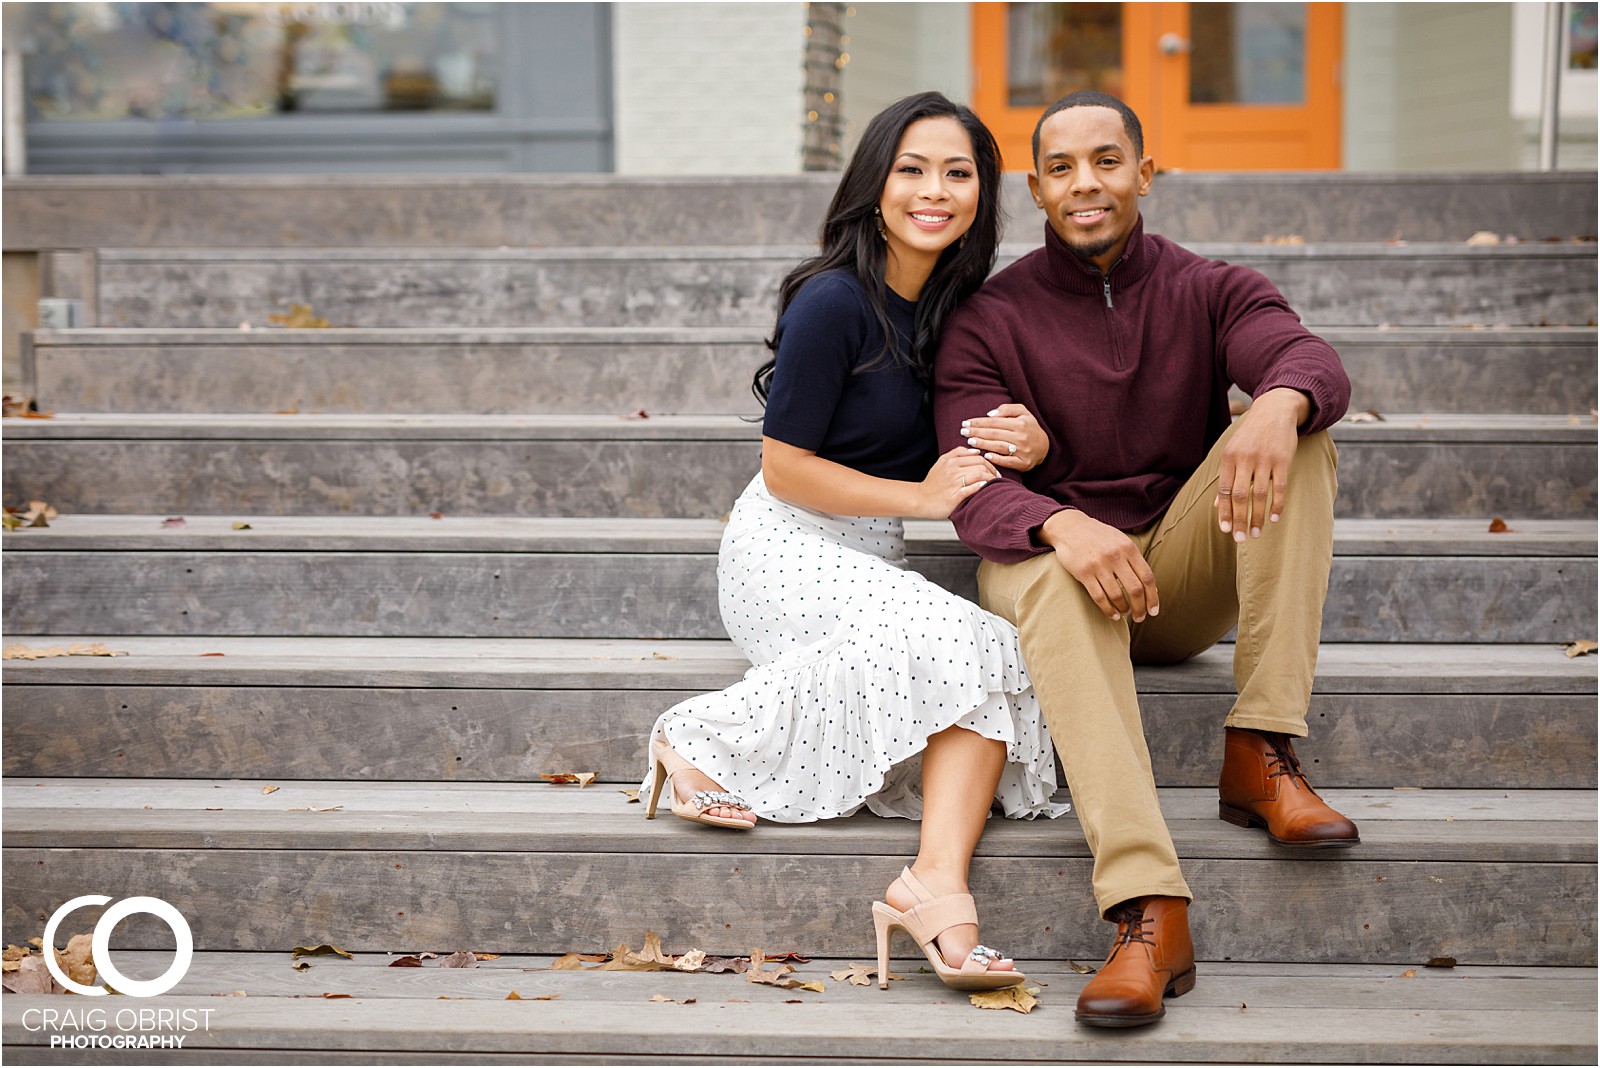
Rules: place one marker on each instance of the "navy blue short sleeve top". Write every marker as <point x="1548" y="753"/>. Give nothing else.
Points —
<point x="877" y="420"/>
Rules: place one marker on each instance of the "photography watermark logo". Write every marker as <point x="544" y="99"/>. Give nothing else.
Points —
<point x="127" y="1028"/>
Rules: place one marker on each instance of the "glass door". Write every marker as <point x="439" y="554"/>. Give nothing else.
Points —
<point x="1219" y="86"/>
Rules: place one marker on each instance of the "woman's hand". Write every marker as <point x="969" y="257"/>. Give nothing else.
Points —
<point x="954" y="477"/>
<point x="1008" y="437"/>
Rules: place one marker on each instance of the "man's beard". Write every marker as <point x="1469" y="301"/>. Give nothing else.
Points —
<point x="1087" y="252"/>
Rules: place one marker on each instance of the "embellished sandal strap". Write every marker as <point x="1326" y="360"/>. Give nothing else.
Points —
<point x="704" y="799"/>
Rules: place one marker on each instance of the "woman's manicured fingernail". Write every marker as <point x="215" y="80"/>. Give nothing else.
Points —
<point x="1155" y="610"/>
<point x="1225" y="525"/>
<point x="994" y="413"/>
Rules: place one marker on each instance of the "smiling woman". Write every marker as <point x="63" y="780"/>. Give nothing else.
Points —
<point x="873" y="687"/>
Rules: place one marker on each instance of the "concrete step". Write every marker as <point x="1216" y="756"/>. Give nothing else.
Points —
<point x="1487" y="877"/>
<point x="1237" y="1013"/>
<point x="1406" y="466"/>
<point x="1335" y="284"/>
<point x="495" y="710"/>
<point x="683" y="370"/>
<point x="421" y="211"/>
<point x="1419" y="581"/>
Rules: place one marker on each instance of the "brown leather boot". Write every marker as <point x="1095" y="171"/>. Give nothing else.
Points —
<point x="1151" y="959"/>
<point x="1264" y="786"/>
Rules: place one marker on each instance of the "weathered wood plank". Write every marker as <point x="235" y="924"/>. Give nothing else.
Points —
<point x="1224" y="984"/>
<point x="607" y="664"/>
<point x="1433" y="599"/>
<point x="555" y="534"/>
<point x="231" y="211"/>
<point x="610" y="478"/>
<point x="1450" y="825"/>
<point x="1330" y="284"/>
<point x="377" y="732"/>
<point x="698" y="369"/>
<point x="824" y="1029"/>
<point x="539" y="902"/>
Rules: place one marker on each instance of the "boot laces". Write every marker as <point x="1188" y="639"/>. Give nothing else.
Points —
<point x="1284" y="761"/>
<point x="1131" y="921"/>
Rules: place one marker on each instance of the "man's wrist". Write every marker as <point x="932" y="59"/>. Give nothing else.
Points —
<point x="1287" y="400"/>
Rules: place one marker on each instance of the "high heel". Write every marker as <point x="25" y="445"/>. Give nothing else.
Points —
<point x="667" y="764"/>
<point x="925" y="922"/>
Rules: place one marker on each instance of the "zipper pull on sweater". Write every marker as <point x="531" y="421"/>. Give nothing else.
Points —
<point x="1105" y="282"/>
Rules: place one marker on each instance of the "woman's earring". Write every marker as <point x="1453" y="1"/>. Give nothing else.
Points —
<point x="883" y="231"/>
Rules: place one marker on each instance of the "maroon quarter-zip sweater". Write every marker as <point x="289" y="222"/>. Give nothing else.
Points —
<point x="1128" y="373"/>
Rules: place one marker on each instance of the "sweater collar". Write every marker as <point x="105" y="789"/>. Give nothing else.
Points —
<point x="1067" y="270"/>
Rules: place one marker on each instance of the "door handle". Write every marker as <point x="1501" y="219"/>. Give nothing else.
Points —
<point x="1172" y="44"/>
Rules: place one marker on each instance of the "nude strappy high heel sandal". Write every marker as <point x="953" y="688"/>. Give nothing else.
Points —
<point x="925" y="922"/>
<point x="695" y="810"/>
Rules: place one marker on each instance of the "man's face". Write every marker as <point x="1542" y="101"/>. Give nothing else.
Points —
<point x="1089" y="182"/>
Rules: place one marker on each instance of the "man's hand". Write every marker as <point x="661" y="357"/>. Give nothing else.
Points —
<point x="1106" y="562"/>
<point x="1255" y="465"/>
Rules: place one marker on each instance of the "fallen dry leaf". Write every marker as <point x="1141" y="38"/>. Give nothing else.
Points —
<point x="1484" y="237"/>
<point x="13" y="953"/>
<point x="1440" y="962"/>
<point x="14" y="407"/>
<point x="631" y="795"/>
<point x="1364" y="417"/>
<point x="300" y="317"/>
<point x="302" y="966"/>
<point x="651" y="953"/>
<point x="487" y="956"/>
<point x="855" y="975"/>
<point x="810" y="984"/>
<point x="1283" y="239"/>
<point x="338" y="995"/>
<point x="30" y="977"/>
<point x="640" y="414"/>
<point x="661" y="656"/>
<point x="572" y="962"/>
<point x="1016" y="998"/>
<point x="173" y="521"/>
<point x="435" y="515"/>
<point x="718" y="965"/>
<point x="1579" y="648"/>
<point x="662" y="997"/>
<point x="460" y="959"/>
<point x="410" y="960"/>
<point x="269" y="789"/>
<point x="1081" y="969"/>
<point x="308" y="808"/>
<point x="514" y="996"/>
<point x="623" y="959"/>
<point x="213" y="654"/>
<point x="239" y="524"/>
<point x="321" y="950"/>
<point x="76" y="960"/>
<point x="1409" y="973"/>
<point x="770" y="976"/>
<point x="287" y="411"/>
<point x="23" y="652"/>
<point x="1498" y="526"/>
<point x="797" y="958"/>
<point x="567" y="778"/>
<point x="690" y="961"/>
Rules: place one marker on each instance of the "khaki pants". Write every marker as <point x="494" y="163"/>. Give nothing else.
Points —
<point x="1081" y="663"/>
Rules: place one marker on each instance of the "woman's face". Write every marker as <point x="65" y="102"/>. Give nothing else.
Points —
<point x="930" y="198"/>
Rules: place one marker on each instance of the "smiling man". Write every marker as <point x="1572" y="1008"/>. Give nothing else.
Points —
<point x="1153" y="526"/>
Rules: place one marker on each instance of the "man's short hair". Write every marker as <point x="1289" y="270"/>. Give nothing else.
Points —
<point x="1089" y="98"/>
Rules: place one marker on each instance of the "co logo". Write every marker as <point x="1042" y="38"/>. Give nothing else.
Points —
<point x="100" y="945"/>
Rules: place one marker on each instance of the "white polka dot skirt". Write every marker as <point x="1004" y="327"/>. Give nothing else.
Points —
<point x="857" y="660"/>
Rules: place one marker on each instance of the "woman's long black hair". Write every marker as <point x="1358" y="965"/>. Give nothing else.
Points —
<point x="850" y="237"/>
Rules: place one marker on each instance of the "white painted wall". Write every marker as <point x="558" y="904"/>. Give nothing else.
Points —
<point x="1370" y="65"/>
<point x="708" y="88"/>
<point x="901" y="48"/>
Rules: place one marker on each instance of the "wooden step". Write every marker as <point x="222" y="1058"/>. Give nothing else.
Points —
<point x="1487" y="877"/>
<point x="520" y="210"/>
<point x="1236" y="1013"/>
<point x="553" y="579"/>
<point x="683" y="370"/>
<point x="511" y="710"/>
<point x="1328" y="284"/>
<point x="1406" y="466"/>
